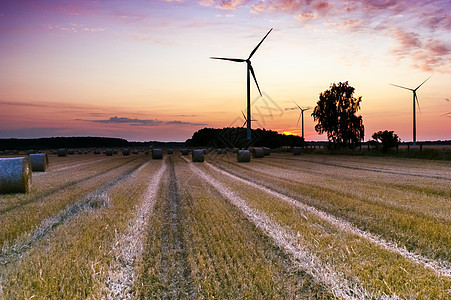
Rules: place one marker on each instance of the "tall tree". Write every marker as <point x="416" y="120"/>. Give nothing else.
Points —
<point x="335" y="113"/>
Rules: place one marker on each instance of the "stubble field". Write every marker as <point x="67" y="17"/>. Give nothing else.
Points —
<point x="280" y="227"/>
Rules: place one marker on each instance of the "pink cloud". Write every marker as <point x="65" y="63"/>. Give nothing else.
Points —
<point x="427" y="54"/>
<point x="418" y="27"/>
<point x="225" y="4"/>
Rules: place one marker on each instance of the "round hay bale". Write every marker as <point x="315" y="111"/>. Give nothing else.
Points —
<point x="135" y="151"/>
<point x="243" y="156"/>
<point x="109" y="152"/>
<point x="297" y="150"/>
<point x="79" y="151"/>
<point x="96" y="151"/>
<point x="219" y="151"/>
<point x="146" y="152"/>
<point x="70" y="151"/>
<point x="258" y="153"/>
<point x="38" y="162"/>
<point x="62" y="152"/>
<point x="267" y="151"/>
<point x="170" y="151"/>
<point x="157" y="154"/>
<point x="15" y="175"/>
<point x="198" y="155"/>
<point x="224" y="151"/>
<point x="115" y="151"/>
<point x="184" y="151"/>
<point x="125" y="152"/>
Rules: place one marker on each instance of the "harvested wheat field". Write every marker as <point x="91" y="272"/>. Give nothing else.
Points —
<point x="280" y="227"/>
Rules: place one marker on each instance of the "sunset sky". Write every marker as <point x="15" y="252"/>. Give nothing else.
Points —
<point x="140" y="70"/>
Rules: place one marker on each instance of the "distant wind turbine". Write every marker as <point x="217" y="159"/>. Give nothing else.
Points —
<point x="249" y="71"/>
<point x="245" y="119"/>
<point x="415" y="98"/>
<point x="301" y="115"/>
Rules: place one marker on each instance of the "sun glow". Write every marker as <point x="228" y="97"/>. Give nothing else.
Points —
<point x="288" y="133"/>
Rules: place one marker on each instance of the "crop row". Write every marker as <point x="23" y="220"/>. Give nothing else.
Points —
<point x="279" y="227"/>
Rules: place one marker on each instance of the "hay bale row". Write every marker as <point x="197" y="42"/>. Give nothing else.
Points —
<point x="297" y="150"/>
<point x="157" y="154"/>
<point x="198" y="155"/>
<point x="243" y="156"/>
<point x="38" y="162"/>
<point x="125" y="152"/>
<point x="15" y="175"/>
<point x="62" y="152"/>
<point x="221" y="151"/>
<point x="258" y="153"/>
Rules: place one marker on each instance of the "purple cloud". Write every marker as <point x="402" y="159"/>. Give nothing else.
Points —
<point x="133" y="122"/>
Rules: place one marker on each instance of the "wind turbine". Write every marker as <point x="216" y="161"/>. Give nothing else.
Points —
<point x="415" y="98"/>
<point x="245" y="119"/>
<point x="249" y="71"/>
<point x="301" y="116"/>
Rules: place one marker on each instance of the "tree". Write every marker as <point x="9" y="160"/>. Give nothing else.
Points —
<point x="388" y="139"/>
<point x="335" y="113"/>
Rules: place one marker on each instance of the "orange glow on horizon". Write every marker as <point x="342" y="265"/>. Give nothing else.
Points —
<point x="288" y="133"/>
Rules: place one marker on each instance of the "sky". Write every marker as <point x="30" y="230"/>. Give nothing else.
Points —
<point x="140" y="70"/>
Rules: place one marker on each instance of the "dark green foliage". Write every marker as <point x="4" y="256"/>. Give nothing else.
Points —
<point x="236" y="137"/>
<point x="78" y="142"/>
<point x="386" y="140"/>
<point x="336" y="115"/>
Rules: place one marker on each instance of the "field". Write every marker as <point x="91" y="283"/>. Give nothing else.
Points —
<point x="280" y="227"/>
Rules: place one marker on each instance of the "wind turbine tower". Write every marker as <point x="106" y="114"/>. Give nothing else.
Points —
<point x="249" y="71"/>
<point x="415" y="98"/>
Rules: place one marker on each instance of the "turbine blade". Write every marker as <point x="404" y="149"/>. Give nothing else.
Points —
<point x="253" y="75"/>
<point x="402" y="87"/>
<point x="298" y="119"/>
<point x="418" y="103"/>
<point x="446" y="114"/>
<point x="255" y="49"/>
<point x="243" y="115"/>
<point x="297" y="105"/>
<point x="231" y="59"/>
<point x="423" y="82"/>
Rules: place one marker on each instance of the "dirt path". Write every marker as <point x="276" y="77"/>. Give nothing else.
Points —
<point x="174" y="269"/>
